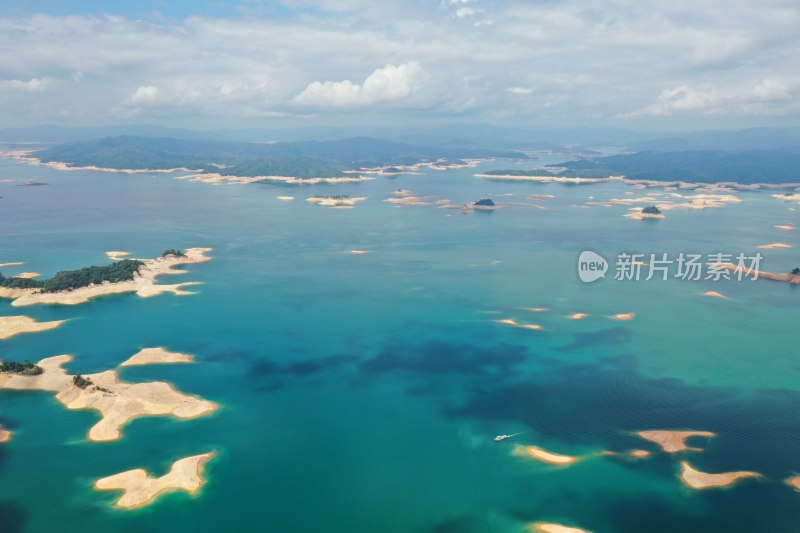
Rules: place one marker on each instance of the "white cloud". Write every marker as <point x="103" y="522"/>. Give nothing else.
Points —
<point x="34" y="85"/>
<point x="144" y="95"/>
<point x="520" y="90"/>
<point x="392" y="83"/>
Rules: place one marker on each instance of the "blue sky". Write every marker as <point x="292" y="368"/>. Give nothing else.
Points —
<point x="639" y="64"/>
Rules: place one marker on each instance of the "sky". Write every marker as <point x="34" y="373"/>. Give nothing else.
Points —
<point x="638" y="64"/>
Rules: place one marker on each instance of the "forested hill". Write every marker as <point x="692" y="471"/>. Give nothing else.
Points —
<point x="130" y="152"/>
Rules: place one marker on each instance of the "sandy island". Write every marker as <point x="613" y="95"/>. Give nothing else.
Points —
<point x="623" y="316"/>
<point x="551" y="527"/>
<point x="140" y="489"/>
<point x="117" y="255"/>
<point x="336" y="202"/>
<point x="5" y="435"/>
<point x="715" y="294"/>
<point x="14" y="325"/>
<point x="784" y="227"/>
<point x="794" y="482"/>
<point x="774" y="246"/>
<point x="543" y="455"/>
<point x="143" y="283"/>
<point x="151" y="356"/>
<point x="577" y="316"/>
<point x="12" y="264"/>
<point x="285" y="198"/>
<point x="673" y="441"/>
<point x="117" y="401"/>
<point x="701" y="480"/>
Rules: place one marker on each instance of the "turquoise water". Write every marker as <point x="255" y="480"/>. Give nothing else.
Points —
<point x="361" y="393"/>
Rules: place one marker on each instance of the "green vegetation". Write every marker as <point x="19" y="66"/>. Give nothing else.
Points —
<point x="796" y="270"/>
<point x="484" y="202"/>
<point x="25" y="369"/>
<point x="651" y="210"/>
<point x="68" y="280"/>
<point x="82" y="382"/>
<point x="173" y="252"/>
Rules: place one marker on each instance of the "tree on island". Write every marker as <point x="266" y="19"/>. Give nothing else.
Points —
<point x="484" y="202"/>
<point x="651" y="210"/>
<point x="796" y="271"/>
<point x="173" y="252"/>
<point x="25" y="369"/>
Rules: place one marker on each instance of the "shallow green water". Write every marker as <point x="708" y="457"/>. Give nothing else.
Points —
<point x="360" y="393"/>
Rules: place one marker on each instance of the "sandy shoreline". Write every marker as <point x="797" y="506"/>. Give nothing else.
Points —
<point x="15" y="325"/>
<point x="151" y="356"/>
<point x="673" y="441"/>
<point x="698" y="480"/>
<point x="118" y="402"/>
<point x="5" y="435"/>
<point x="794" y="482"/>
<point x="143" y="283"/>
<point x="140" y="489"/>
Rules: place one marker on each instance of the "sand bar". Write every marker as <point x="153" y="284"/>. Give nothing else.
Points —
<point x="577" y="316"/>
<point x="27" y="275"/>
<point x="143" y="283"/>
<point x="216" y="179"/>
<point x="12" y="264"/>
<point x="140" y="489"/>
<point x="285" y="198"/>
<point x="701" y="480"/>
<point x="786" y="277"/>
<point x="543" y="455"/>
<point x="551" y="527"/>
<point x="794" y="482"/>
<point x="673" y="441"/>
<point x="623" y="316"/>
<point x="774" y="246"/>
<point x="117" y="401"/>
<point x="14" y="325"/>
<point x="5" y="435"/>
<point x="784" y="227"/>
<point x="116" y="255"/>
<point x="150" y="356"/>
<point x="715" y="294"/>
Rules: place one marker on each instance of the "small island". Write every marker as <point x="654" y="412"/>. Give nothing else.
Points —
<point x="5" y="435"/>
<point x="673" y="441"/>
<point x="139" y="488"/>
<point x="150" y="356"/>
<point x="539" y="454"/>
<point x="551" y="527"/>
<point x="484" y="204"/>
<point x="651" y="210"/>
<point x="698" y="480"/>
<point x="336" y="201"/>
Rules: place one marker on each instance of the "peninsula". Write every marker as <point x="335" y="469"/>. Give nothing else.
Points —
<point x="15" y="325"/>
<point x="80" y="286"/>
<point x="117" y="401"/>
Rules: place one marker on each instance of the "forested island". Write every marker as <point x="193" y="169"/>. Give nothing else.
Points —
<point x="68" y="280"/>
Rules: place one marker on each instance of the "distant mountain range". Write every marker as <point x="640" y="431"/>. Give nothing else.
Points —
<point x="702" y="166"/>
<point x="299" y="159"/>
